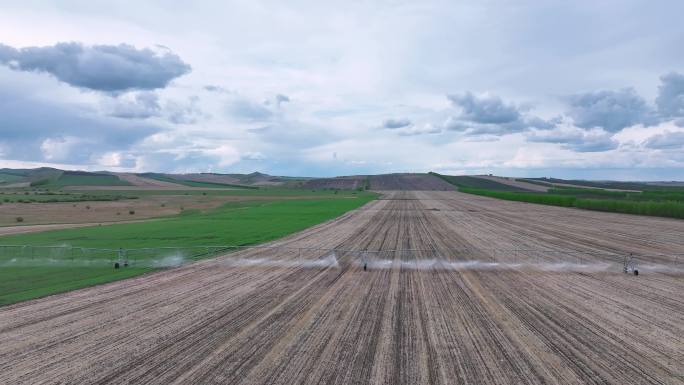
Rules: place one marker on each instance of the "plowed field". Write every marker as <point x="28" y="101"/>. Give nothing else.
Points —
<point x="447" y="314"/>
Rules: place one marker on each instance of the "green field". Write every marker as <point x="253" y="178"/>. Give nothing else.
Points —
<point x="236" y="223"/>
<point x="57" y="179"/>
<point x="541" y="198"/>
<point x="464" y="181"/>
<point x="89" y="179"/>
<point x="662" y="204"/>
<point x="619" y="185"/>
<point x="9" y="178"/>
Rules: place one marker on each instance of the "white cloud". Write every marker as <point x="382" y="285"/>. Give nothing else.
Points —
<point x="283" y="86"/>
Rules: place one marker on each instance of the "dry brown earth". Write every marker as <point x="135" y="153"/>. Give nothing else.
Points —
<point x="291" y="319"/>
<point x="152" y="206"/>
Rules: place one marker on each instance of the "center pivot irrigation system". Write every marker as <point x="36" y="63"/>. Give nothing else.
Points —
<point x="629" y="265"/>
<point x="286" y="256"/>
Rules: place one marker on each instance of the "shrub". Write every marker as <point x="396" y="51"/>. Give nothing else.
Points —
<point x="20" y="219"/>
<point x="131" y="212"/>
<point x="87" y="207"/>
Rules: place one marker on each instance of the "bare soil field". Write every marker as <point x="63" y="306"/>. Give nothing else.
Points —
<point x="110" y="211"/>
<point x="408" y="182"/>
<point x="341" y="182"/>
<point x="273" y="316"/>
<point x="13" y="230"/>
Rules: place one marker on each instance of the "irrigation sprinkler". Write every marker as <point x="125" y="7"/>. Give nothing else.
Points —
<point x="629" y="265"/>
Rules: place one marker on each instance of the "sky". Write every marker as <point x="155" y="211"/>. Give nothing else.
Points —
<point x="573" y="89"/>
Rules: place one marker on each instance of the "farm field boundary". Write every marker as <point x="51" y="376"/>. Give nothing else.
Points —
<point x="667" y="209"/>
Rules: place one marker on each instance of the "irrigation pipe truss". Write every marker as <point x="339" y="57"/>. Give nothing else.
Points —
<point x="222" y="248"/>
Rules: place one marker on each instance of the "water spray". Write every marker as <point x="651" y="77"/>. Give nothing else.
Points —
<point x="629" y="265"/>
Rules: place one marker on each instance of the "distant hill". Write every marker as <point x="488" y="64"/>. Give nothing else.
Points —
<point x="46" y="177"/>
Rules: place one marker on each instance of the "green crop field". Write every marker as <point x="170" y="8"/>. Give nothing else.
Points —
<point x="236" y="223"/>
<point x="530" y="197"/>
<point x="634" y="186"/>
<point x="464" y="181"/>
<point x="9" y="178"/>
<point x="663" y="204"/>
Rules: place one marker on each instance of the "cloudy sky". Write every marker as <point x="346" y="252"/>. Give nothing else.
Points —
<point x="582" y="89"/>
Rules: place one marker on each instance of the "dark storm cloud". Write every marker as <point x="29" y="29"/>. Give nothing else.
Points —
<point x="142" y="106"/>
<point x="108" y="68"/>
<point x="490" y="115"/>
<point x="666" y="141"/>
<point x="670" y="100"/>
<point x="610" y="110"/>
<point x="396" y="123"/>
<point x="487" y="109"/>
<point x="26" y="123"/>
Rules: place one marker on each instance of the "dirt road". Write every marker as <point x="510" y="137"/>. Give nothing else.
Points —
<point x="306" y="317"/>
